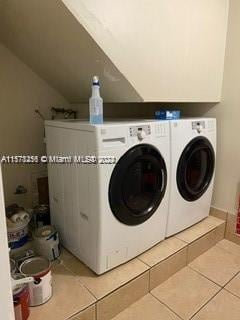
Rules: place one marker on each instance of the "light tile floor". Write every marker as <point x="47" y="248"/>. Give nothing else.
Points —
<point x="80" y="293"/>
<point x="207" y="289"/>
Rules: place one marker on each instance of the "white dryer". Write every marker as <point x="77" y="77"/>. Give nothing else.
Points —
<point x="107" y="214"/>
<point x="193" y="154"/>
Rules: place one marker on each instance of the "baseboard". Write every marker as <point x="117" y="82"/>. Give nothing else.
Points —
<point x="220" y="214"/>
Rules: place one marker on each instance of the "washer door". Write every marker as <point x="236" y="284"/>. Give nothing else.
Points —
<point x="137" y="184"/>
<point x="195" y="169"/>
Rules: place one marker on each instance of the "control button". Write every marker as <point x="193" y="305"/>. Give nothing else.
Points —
<point x="141" y="135"/>
<point x="199" y="128"/>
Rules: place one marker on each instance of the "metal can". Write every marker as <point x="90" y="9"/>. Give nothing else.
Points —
<point x="41" y="215"/>
<point x="40" y="291"/>
<point x="21" y="301"/>
<point x="46" y="242"/>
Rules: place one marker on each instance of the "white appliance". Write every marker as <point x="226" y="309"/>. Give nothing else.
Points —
<point x="193" y="153"/>
<point x="107" y="214"/>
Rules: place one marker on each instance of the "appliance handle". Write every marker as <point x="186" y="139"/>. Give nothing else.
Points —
<point x="114" y="142"/>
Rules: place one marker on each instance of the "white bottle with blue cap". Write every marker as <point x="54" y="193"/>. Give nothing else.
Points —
<point x="96" y="103"/>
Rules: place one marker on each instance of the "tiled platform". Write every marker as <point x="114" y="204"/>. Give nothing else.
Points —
<point x="79" y="294"/>
<point x="191" y="294"/>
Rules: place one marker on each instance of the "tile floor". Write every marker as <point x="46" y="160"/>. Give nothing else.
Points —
<point x="79" y="294"/>
<point x="207" y="289"/>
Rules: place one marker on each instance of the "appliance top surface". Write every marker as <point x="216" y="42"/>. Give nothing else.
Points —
<point x="193" y="119"/>
<point x="85" y="125"/>
<point x="81" y="124"/>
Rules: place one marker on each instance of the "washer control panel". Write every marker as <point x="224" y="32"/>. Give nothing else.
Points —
<point x="161" y="129"/>
<point x="140" y="131"/>
<point x="198" y="126"/>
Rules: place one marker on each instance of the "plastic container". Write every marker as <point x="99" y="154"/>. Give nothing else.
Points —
<point x="96" y="103"/>
<point x="46" y="242"/>
<point x="17" y="234"/>
<point x="167" y="114"/>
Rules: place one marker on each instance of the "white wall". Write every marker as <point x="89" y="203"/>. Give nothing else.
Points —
<point x="228" y="115"/>
<point x="228" y="118"/>
<point x="21" y="130"/>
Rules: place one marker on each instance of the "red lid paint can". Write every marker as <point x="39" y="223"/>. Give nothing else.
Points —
<point x="21" y="302"/>
<point x="40" y="291"/>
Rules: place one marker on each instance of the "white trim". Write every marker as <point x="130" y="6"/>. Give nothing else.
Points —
<point x="6" y="304"/>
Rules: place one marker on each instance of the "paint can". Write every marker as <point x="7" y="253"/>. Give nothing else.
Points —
<point x="41" y="215"/>
<point x="21" y="300"/>
<point x="46" y="242"/>
<point x="21" y="216"/>
<point x="40" y="291"/>
<point x="17" y="234"/>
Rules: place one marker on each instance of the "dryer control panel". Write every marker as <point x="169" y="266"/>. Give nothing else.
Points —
<point x="198" y="126"/>
<point x="140" y="131"/>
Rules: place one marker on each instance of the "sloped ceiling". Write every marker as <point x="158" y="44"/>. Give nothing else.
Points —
<point x="143" y="50"/>
<point x="48" y="38"/>
<point x="170" y="50"/>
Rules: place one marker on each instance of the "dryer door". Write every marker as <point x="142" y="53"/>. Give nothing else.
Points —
<point x="137" y="184"/>
<point x="195" y="168"/>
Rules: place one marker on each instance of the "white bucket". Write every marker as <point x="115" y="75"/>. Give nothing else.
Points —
<point x="46" y="242"/>
<point x="17" y="234"/>
<point x="40" y="291"/>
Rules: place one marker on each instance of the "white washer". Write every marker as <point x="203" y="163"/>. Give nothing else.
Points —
<point x="107" y="214"/>
<point x="193" y="154"/>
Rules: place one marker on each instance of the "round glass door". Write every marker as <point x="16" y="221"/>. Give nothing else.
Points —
<point x="195" y="169"/>
<point x="137" y="184"/>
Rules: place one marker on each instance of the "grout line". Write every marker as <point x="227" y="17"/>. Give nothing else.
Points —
<point x="79" y="280"/>
<point x="148" y="265"/>
<point x="231" y="279"/>
<point x="164" y="259"/>
<point x="204" y="276"/>
<point x="228" y="251"/>
<point x="96" y="302"/>
<point x="204" y="305"/>
<point x="209" y="278"/>
<point x="122" y="286"/>
<point x="109" y="293"/>
<point x="219" y="285"/>
<point x="163" y="303"/>
<point x="78" y="312"/>
<point x="96" y="312"/>
<point x="200" y="237"/>
<point x="149" y="279"/>
<point x="226" y="225"/>
<point x="232" y="293"/>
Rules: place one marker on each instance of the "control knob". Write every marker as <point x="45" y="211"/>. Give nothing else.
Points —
<point x="141" y="135"/>
<point x="199" y="128"/>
